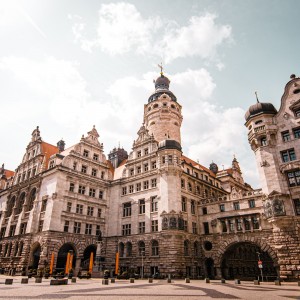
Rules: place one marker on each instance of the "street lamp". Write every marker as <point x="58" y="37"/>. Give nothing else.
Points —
<point x="143" y="253"/>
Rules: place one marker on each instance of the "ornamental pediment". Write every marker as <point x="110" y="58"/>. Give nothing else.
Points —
<point x="290" y="166"/>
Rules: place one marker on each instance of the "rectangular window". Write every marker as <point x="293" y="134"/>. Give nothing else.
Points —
<point x="44" y="205"/>
<point x="131" y="172"/>
<point x="131" y="189"/>
<point x="138" y="186"/>
<point x="69" y="206"/>
<point x="239" y="225"/>
<point x="74" y="165"/>
<point x="182" y="184"/>
<point x="163" y="159"/>
<point x="139" y="153"/>
<point x="146" y="151"/>
<point x="183" y="203"/>
<point x="285" y="136"/>
<point x="255" y="222"/>
<point x="194" y="227"/>
<point x="138" y="170"/>
<point x="204" y="210"/>
<point x="153" y="165"/>
<point x="146" y="185"/>
<point x="72" y="187"/>
<point x="185" y="225"/>
<point x="2" y="233"/>
<point x="95" y="157"/>
<point x="94" y="172"/>
<point x="102" y="174"/>
<point x="83" y="169"/>
<point x="231" y="225"/>
<point x="66" y="226"/>
<point x="288" y="155"/>
<point x="154" y="204"/>
<point x="81" y="189"/>
<point x="12" y="230"/>
<point x="92" y="192"/>
<point x="127" y="209"/>
<point x="197" y="175"/>
<point x="85" y="153"/>
<point x="124" y="190"/>
<point x="297" y="206"/>
<point x="146" y="167"/>
<point x="293" y="178"/>
<point x="193" y="207"/>
<point x="98" y="230"/>
<point x="251" y="203"/>
<point x="77" y="227"/>
<point x="88" y="228"/>
<point x="99" y="214"/>
<point x="126" y="229"/>
<point x="224" y="226"/>
<point x="90" y="211"/>
<point x="247" y="224"/>
<point x="142" y="227"/>
<point x="153" y="182"/>
<point x="296" y="132"/>
<point x="23" y="228"/>
<point x="154" y="225"/>
<point x="141" y="206"/>
<point x="222" y="207"/>
<point x="206" y="227"/>
<point x="79" y="209"/>
<point x="100" y="194"/>
<point x="170" y="159"/>
<point x="236" y="205"/>
<point x="41" y="224"/>
<point x="51" y="164"/>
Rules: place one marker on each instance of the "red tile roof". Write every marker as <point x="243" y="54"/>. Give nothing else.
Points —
<point x="48" y="150"/>
<point x="197" y="165"/>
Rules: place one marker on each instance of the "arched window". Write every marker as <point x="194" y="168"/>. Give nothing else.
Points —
<point x="121" y="250"/>
<point x="31" y="199"/>
<point x="20" y="203"/>
<point x="128" y="249"/>
<point x="10" y="204"/>
<point x="141" y="248"/>
<point x="263" y="141"/>
<point x="154" y="248"/>
<point x="186" y="248"/>
<point x="155" y="105"/>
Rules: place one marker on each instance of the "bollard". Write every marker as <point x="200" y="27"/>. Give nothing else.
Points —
<point x="24" y="280"/>
<point x="256" y="282"/>
<point x="223" y="280"/>
<point x="58" y="281"/>
<point x="150" y="280"/>
<point x="38" y="280"/>
<point x="112" y="280"/>
<point x="207" y="280"/>
<point x="131" y="280"/>
<point x="237" y="281"/>
<point x="169" y="280"/>
<point x="187" y="280"/>
<point x="105" y="281"/>
<point x="9" y="281"/>
<point x="73" y="279"/>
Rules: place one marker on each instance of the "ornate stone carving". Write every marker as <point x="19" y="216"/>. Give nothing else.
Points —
<point x="274" y="208"/>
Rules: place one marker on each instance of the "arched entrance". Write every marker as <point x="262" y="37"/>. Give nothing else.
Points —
<point x="209" y="268"/>
<point x="35" y="256"/>
<point x="241" y="261"/>
<point x="86" y="256"/>
<point x="62" y="257"/>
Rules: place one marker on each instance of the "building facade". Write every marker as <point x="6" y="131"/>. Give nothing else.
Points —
<point x="160" y="211"/>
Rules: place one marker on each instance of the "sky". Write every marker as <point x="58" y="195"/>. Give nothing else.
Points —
<point x="68" y="65"/>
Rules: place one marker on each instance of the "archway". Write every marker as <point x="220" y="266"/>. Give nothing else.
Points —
<point x="209" y="268"/>
<point x="62" y="257"/>
<point x="86" y="256"/>
<point x="241" y="261"/>
<point x="35" y="255"/>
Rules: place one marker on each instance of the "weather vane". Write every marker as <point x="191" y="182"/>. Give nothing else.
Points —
<point x="161" y="68"/>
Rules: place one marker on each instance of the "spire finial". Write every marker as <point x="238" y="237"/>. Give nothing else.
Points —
<point x="161" y="68"/>
<point x="256" y="97"/>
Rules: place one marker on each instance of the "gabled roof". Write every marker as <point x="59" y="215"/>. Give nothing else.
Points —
<point x="198" y="166"/>
<point x="48" y="150"/>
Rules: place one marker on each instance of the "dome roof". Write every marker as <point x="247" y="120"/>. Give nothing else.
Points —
<point x="260" y="108"/>
<point x="169" y="144"/>
<point x="162" y="84"/>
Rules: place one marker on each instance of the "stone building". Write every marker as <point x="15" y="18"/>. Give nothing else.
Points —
<point x="159" y="210"/>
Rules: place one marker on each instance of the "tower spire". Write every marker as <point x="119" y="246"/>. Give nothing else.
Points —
<point x="161" y="68"/>
<point x="256" y="97"/>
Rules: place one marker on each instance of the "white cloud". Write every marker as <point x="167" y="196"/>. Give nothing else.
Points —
<point x="121" y="28"/>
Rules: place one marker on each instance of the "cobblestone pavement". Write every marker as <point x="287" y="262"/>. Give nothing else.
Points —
<point x="177" y="290"/>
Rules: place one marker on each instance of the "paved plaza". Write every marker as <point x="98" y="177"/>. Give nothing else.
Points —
<point x="122" y="289"/>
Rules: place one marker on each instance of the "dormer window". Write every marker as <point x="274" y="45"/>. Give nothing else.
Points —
<point x="51" y="164"/>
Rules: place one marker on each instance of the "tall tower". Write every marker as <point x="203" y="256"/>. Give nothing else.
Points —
<point x="162" y="114"/>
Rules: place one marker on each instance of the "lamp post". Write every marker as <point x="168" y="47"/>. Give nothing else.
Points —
<point x="260" y="266"/>
<point x="143" y="253"/>
<point x="98" y="250"/>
